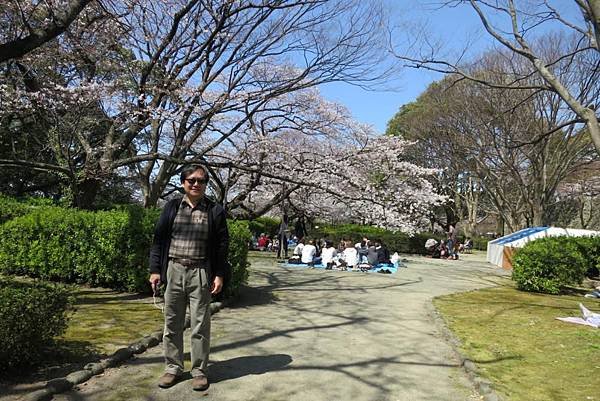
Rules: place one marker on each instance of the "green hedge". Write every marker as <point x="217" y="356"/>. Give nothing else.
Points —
<point x="548" y="265"/>
<point x="104" y="248"/>
<point x="32" y="314"/>
<point x="480" y="243"/>
<point x="107" y="248"/>
<point x="590" y="249"/>
<point x="240" y="236"/>
<point x="267" y="225"/>
<point x="394" y="242"/>
<point x="11" y="208"/>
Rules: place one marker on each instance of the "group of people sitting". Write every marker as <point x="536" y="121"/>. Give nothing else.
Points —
<point x="265" y="243"/>
<point x="347" y="255"/>
<point x="447" y="249"/>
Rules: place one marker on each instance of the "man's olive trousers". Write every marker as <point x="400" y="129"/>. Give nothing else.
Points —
<point x="187" y="286"/>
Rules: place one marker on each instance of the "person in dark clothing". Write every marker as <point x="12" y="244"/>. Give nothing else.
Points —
<point x="283" y="239"/>
<point x="383" y="255"/>
<point x="452" y="244"/>
<point x="189" y="255"/>
<point x="372" y="255"/>
<point x="300" y="228"/>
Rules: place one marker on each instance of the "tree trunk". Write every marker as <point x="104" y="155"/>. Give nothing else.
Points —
<point x="538" y="215"/>
<point x="499" y="225"/>
<point x="472" y="204"/>
<point x="594" y="7"/>
<point x="156" y="188"/>
<point x="593" y="127"/>
<point x="152" y="194"/>
<point x="85" y="192"/>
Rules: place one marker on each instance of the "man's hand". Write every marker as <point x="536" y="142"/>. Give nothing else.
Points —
<point x="154" y="280"/>
<point x="217" y="285"/>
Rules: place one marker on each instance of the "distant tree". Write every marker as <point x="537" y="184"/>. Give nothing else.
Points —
<point x="578" y="203"/>
<point x="517" y="26"/>
<point x="481" y="135"/>
<point x="311" y="155"/>
<point x="439" y="146"/>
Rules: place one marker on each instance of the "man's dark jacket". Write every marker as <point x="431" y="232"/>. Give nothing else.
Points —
<point x="218" y="240"/>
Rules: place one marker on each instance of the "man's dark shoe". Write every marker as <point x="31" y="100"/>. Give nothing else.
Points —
<point x="167" y="380"/>
<point x="200" y="383"/>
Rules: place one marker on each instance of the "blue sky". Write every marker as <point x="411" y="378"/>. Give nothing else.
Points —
<point x="376" y="107"/>
<point x="454" y="28"/>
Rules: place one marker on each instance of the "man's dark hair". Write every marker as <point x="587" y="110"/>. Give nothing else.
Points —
<point x="187" y="170"/>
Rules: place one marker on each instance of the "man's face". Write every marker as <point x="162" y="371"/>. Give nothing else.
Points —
<point x="194" y="184"/>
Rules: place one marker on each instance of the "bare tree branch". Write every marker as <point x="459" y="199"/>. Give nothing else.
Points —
<point x="59" y="22"/>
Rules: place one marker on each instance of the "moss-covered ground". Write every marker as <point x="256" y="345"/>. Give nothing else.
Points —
<point x="108" y="319"/>
<point x="101" y="322"/>
<point x="518" y="344"/>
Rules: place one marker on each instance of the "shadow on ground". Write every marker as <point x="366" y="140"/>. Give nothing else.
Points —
<point x="247" y="365"/>
<point x="253" y="296"/>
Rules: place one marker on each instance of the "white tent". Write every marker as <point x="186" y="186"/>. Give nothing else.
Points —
<point x="501" y="250"/>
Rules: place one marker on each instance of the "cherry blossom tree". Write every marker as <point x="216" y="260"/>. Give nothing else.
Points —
<point x="136" y="91"/>
<point x="148" y="86"/>
<point x="28" y="25"/>
<point x="324" y="165"/>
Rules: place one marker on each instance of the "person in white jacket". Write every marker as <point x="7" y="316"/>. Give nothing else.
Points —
<point x="350" y="255"/>
<point x="309" y="251"/>
<point x="298" y="248"/>
<point x="328" y="255"/>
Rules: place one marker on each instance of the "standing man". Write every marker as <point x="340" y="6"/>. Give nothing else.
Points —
<point x="189" y="255"/>
<point x="451" y="244"/>
<point x="283" y="240"/>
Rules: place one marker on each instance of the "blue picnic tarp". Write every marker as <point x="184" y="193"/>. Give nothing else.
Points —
<point x="375" y="269"/>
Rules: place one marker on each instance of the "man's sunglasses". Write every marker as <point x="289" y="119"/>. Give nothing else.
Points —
<point x="194" y="181"/>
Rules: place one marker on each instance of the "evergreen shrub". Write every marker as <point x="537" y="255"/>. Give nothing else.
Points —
<point x="547" y="265"/>
<point x="32" y="314"/>
<point x="103" y="248"/>
<point x="265" y="224"/>
<point x="239" y="237"/>
<point x="107" y="248"/>
<point x="590" y="248"/>
<point x="11" y="208"/>
<point x="480" y="243"/>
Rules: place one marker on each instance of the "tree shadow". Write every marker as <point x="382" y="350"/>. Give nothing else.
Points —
<point x="372" y="368"/>
<point x="57" y="361"/>
<point x="574" y="291"/>
<point x="247" y="365"/>
<point x="284" y="333"/>
<point x="253" y="296"/>
<point x="275" y="280"/>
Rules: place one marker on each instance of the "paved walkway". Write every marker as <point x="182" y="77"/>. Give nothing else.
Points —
<point x="313" y="335"/>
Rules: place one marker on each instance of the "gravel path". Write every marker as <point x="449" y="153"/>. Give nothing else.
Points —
<point x="311" y="335"/>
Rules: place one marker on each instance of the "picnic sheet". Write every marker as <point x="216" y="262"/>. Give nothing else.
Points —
<point x="589" y="318"/>
<point x="376" y="269"/>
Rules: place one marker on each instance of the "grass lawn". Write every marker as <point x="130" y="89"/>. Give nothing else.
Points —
<point x="516" y="342"/>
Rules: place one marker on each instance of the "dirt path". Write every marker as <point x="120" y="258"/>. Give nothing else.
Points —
<point x="301" y="334"/>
